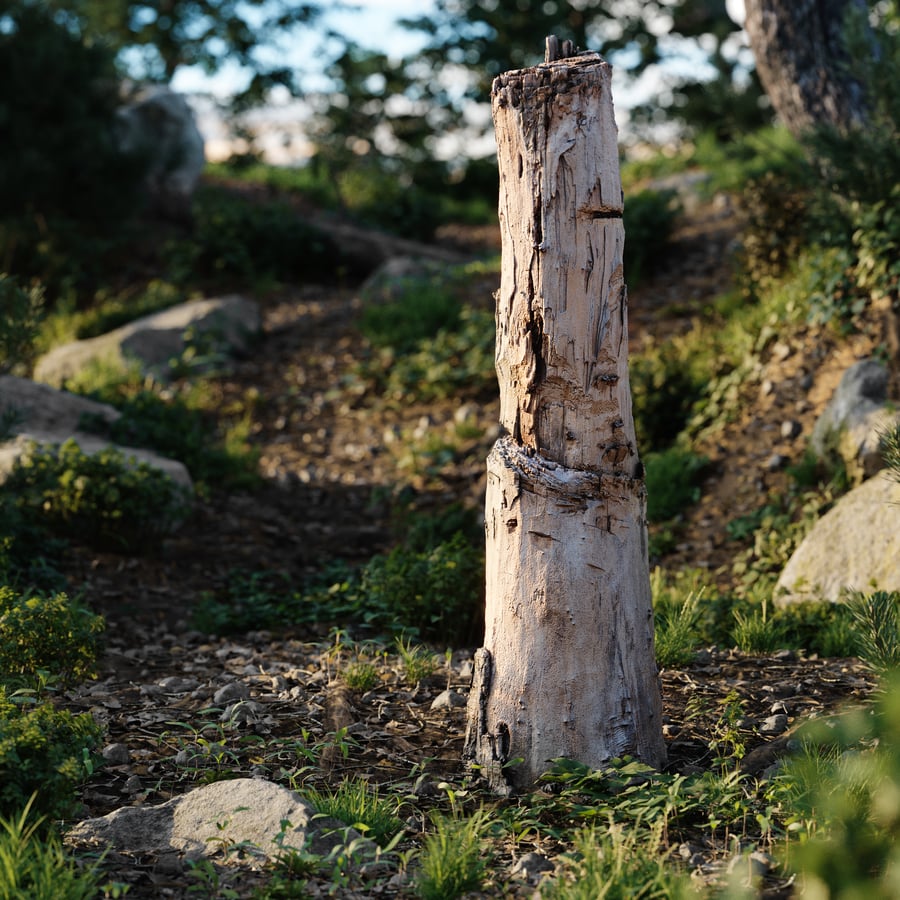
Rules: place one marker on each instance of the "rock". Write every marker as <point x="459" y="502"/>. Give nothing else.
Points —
<point x="774" y="725"/>
<point x="159" y="126"/>
<point x="448" y="700"/>
<point x="236" y="690"/>
<point x="855" y="546"/>
<point x="208" y="818"/>
<point x="116" y="754"/>
<point x="855" y="418"/>
<point x="47" y="416"/>
<point x="530" y="867"/>
<point x="790" y="429"/>
<point x="153" y="342"/>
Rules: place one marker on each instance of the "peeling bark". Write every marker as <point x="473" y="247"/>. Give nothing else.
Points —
<point x="568" y="665"/>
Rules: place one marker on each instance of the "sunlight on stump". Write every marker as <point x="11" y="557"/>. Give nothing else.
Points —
<point x="567" y="668"/>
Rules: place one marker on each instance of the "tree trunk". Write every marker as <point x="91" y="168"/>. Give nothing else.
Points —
<point x="801" y="61"/>
<point x="568" y="667"/>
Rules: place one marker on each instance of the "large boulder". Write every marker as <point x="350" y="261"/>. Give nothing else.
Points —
<point x="855" y="418"/>
<point x="854" y="546"/>
<point x="159" y="125"/>
<point x="38" y="413"/>
<point x="258" y="815"/>
<point x="215" y="325"/>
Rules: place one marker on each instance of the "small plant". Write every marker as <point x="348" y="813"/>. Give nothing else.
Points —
<point x="676" y="632"/>
<point x="44" y="752"/>
<point x="54" y="634"/>
<point x="358" y="804"/>
<point x="19" y="323"/>
<point x="103" y="499"/>
<point x="876" y="620"/>
<point x="33" y="863"/>
<point x="418" y="662"/>
<point x="756" y="632"/>
<point x="890" y="451"/>
<point x="361" y="675"/>
<point x="618" y="863"/>
<point x="649" y="219"/>
<point x="452" y="858"/>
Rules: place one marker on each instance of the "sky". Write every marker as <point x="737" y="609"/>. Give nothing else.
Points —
<point x="372" y="24"/>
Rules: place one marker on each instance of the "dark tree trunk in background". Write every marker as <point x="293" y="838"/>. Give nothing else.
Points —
<point x="801" y="60"/>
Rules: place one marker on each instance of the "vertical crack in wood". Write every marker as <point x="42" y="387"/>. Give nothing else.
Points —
<point x="489" y="751"/>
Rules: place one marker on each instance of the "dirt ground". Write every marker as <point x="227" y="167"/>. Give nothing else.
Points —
<point x="330" y="463"/>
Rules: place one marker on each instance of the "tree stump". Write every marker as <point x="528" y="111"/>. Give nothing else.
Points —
<point x="567" y="668"/>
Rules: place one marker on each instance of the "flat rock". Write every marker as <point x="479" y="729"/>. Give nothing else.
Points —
<point x="854" y="546"/>
<point x="247" y="811"/>
<point x="226" y="323"/>
<point x="43" y="415"/>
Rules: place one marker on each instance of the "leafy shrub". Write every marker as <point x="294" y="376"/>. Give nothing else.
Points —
<point x="649" y="219"/>
<point x="19" y="322"/>
<point x="174" y="428"/>
<point x="101" y="499"/>
<point x="235" y="239"/>
<point x="437" y="593"/>
<point x="672" y="477"/>
<point x="43" y="751"/>
<point x="55" y="633"/>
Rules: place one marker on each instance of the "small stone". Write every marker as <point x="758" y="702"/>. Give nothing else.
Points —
<point x="237" y="690"/>
<point x="790" y="429"/>
<point x="776" y="461"/>
<point x="781" y="351"/>
<point x="242" y="711"/>
<point x="671" y="731"/>
<point x="466" y="670"/>
<point x="133" y="785"/>
<point x="785" y="655"/>
<point x="116" y="754"/>
<point x="774" y="725"/>
<point x="530" y="867"/>
<point x="778" y="708"/>
<point x="448" y="700"/>
<point x="766" y="388"/>
<point x="176" y="684"/>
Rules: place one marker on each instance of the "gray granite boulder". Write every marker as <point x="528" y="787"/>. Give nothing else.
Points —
<point x="855" y="418"/>
<point x="222" y="325"/>
<point x="41" y="414"/>
<point x="855" y="546"/>
<point x="260" y="816"/>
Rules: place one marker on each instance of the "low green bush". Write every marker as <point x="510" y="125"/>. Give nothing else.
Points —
<point x="239" y="241"/>
<point x="101" y="499"/>
<point x="19" y="323"/>
<point x="54" y="633"/>
<point x="45" y="752"/>
<point x="673" y="482"/>
<point x="649" y="220"/>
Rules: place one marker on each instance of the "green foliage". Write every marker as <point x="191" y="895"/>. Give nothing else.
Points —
<point x="649" y="219"/>
<point x="19" y="322"/>
<point x="46" y="633"/>
<point x="841" y="796"/>
<point x="890" y="451"/>
<point x="757" y="631"/>
<point x="34" y="865"/>
<point x="672" y="478"/>
<point x="101" y="499"/>
<point x="618" y="863"/>
<point x="452" y="860"/>
<point x="179" y="425"/>
<point x="361" y="675"/>
<point x="436" y="593"/>
<point x="876" y="617"/>
<point x="235" y="240"/>
<point x="359" y="804"/>
<point x="417" y="310"/>
<point x="418" y="661"/>
<point x="250" y="600"/>
<point x="676" y="635"/>
<point x="44" y="752"/>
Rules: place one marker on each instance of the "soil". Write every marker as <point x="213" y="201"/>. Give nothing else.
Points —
<point x="330" y="462"/>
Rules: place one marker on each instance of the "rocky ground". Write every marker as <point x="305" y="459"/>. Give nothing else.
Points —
<point x="329" y="461"/>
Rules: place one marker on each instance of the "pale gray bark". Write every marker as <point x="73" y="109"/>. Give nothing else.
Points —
<point x="568" y="668"/>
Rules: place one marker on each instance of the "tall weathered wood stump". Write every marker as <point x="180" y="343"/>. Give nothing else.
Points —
<point x="567" y="668"/>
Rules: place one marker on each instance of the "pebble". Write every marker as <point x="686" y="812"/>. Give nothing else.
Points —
<point x="242" y="711"/>
<point x="530" y="867"/>
<point x="133" y="784"/>
<point x="237" y="690"/>
<point x="790" y="429"/>
<point x="774" y="725"/>
<point x="776" y="461"/>
<point x="447" y="700"/>
<point x="116" y="754"/>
